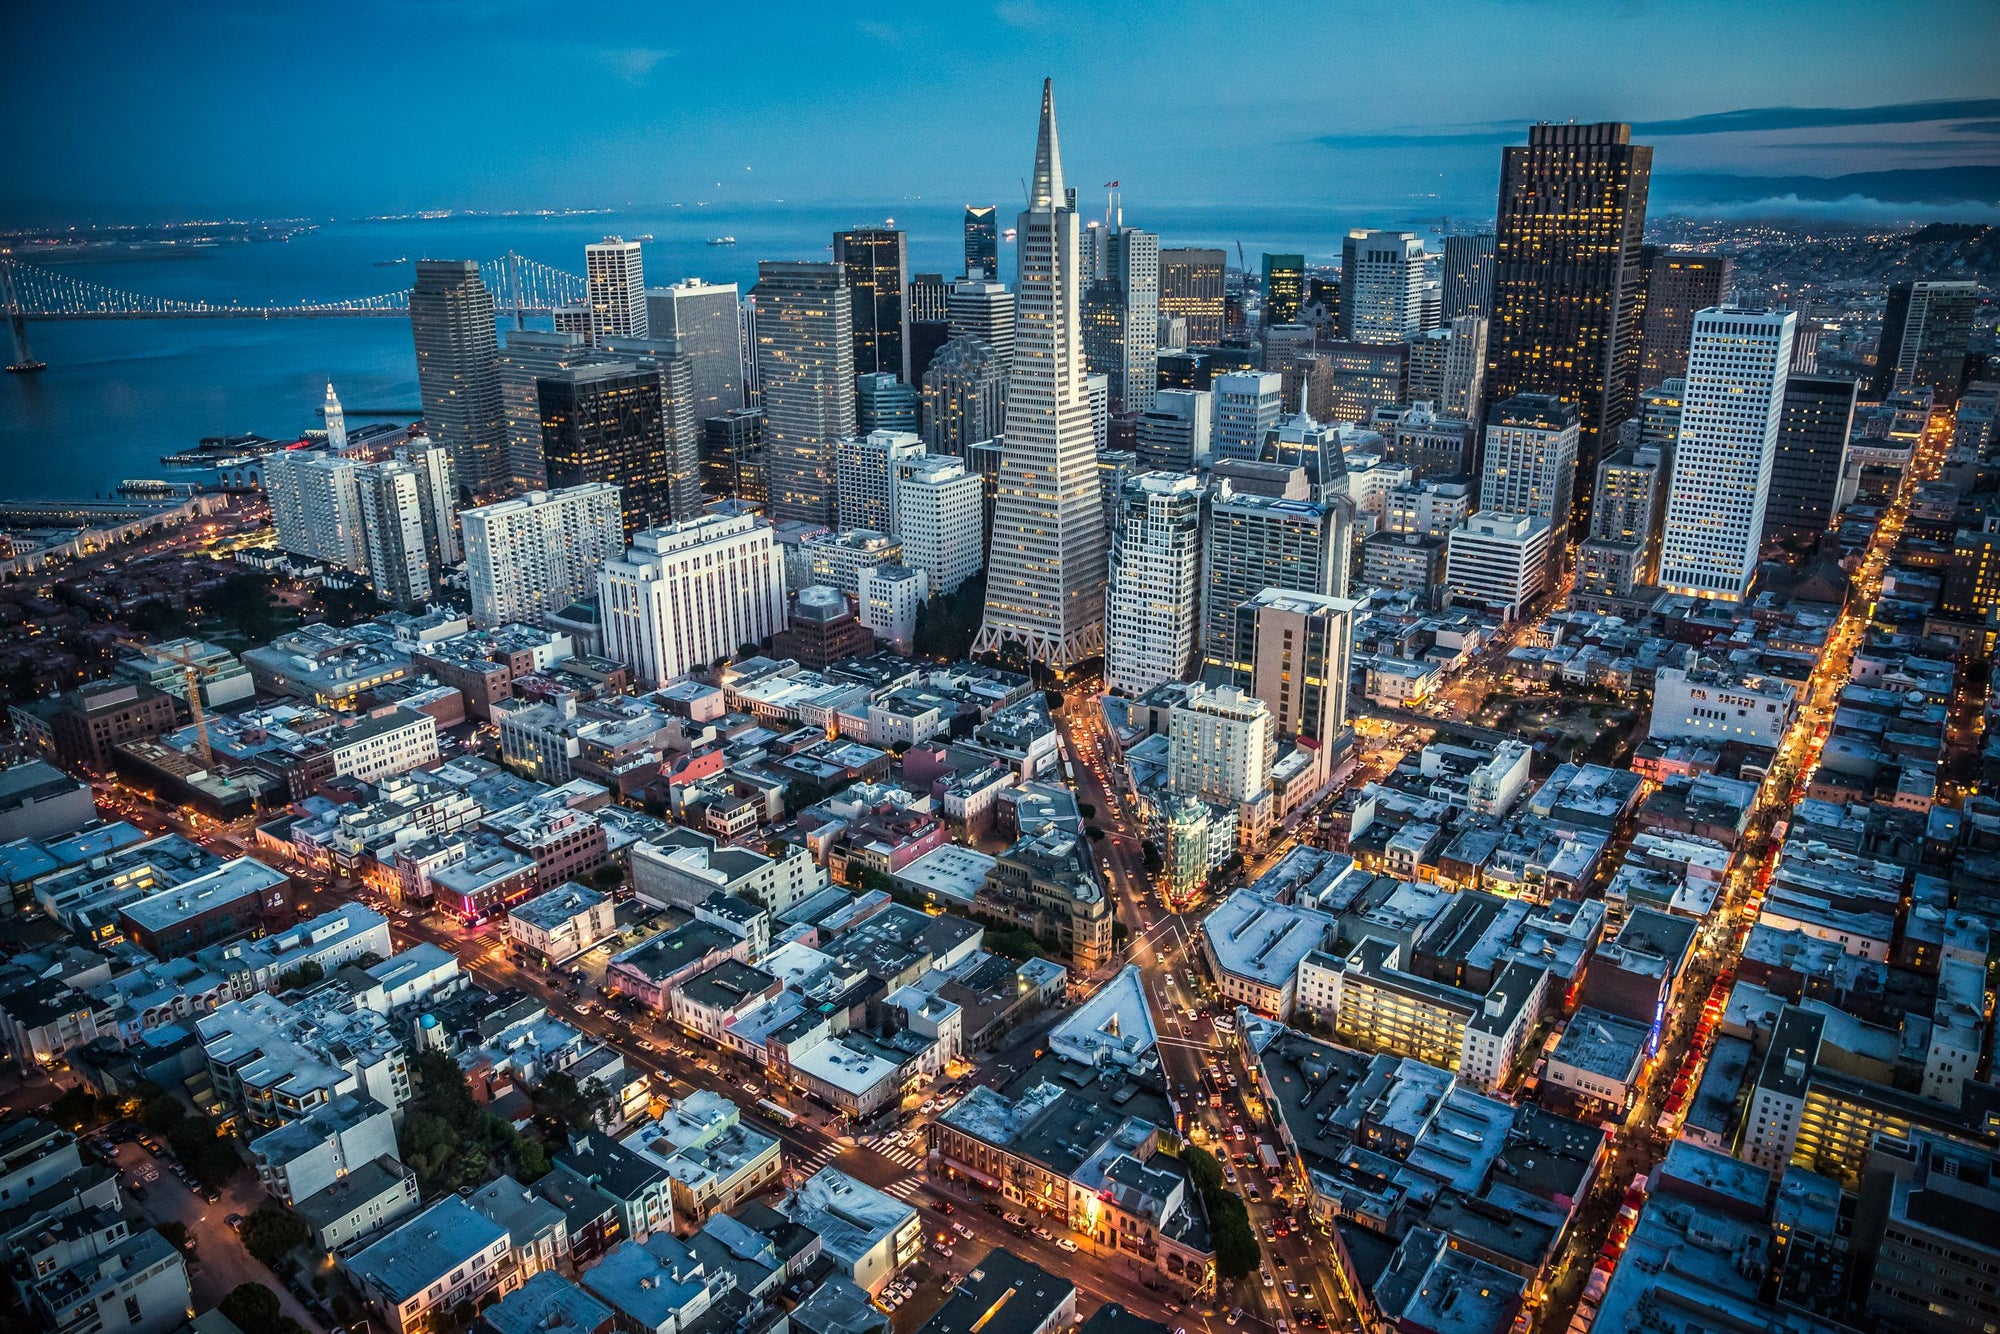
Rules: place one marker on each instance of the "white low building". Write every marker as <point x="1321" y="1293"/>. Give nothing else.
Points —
<point x="868" y="1234"/>
<point x="555" y="927"/>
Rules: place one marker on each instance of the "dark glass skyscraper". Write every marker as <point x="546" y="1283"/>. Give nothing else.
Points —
<point x="1567" y="270"/>
<point x="1468" y="275"/>
<point x="607" y="423"/>
<point x="1677" y="285"/>
<point x="1807" y="460"/>
<point x="458" y="367"/>
<point x="1925" y="330"/>
<point x="875" y="262"/>
<point x="1284" y="288"/>
<point x="982" y="240"/>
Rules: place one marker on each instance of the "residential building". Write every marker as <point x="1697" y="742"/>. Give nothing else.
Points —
<point x="867" y="1234"/>
<point x="1153" y="599"/>
<point x="316" y="506"/>
<point x="139" y="1280"/>
<point x="1735" y="398"/>
<point x="1529" y="464"/>
<point x="555" y="927"/>
<point x="303" y="1157"/>
<point x="1046" y="563"/>
<point x="1293" y="651"/>
<point x="540" y="552"/>
<point x="448" y="1255"/>
<point x="1254" y="542"/>
<point x="1222" y="744"/>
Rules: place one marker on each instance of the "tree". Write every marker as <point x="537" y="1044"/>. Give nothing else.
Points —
<point x="243" y="603"/>
<point x="1054" y="699"/>
<point x="304" y="975"/>
<point x="947" y="623"/>
<point x="252" y="1308"/>
<point x="1150" y="857"/>
<point x="571" y="1106"/>
<point x="175" y="1232"/>
<point x="531" y="1161"/>
<point x="77" y="1107"/>
<point x="608" y="877"/>
<point x="157" y="618"/>
<point x="1095" y="833"/>
<point x="272" y="1234"/>
<point x="1087" y="809"/>
<point x="1236" y="1250"/>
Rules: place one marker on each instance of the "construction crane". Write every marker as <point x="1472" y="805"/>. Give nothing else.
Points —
<point x="1242" y="264"/>
<point x="191" y="672"/>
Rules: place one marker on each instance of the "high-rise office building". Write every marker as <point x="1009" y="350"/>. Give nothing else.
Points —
<point x="1253" y="542"/>
<point x="704" y="323"/>
<point x="964" y="398"/>
<point x="529" y="355"/>
<point x="392" y="521"/>
<point x="458" y="366"/>
<point x="1500" y="561"/>
<point x="929" y="297"/>
<point x="1296" y="440"/>
<point x="984" y="309"/>
<point x="1285" y="347"/>
<point x="607" y="423"/>
<point x="941" y="518"/>
<point x="1247" y="404"/>
<point x="1925" y="330"/>
<point x="1623" y="551"/>
<point x="316" y="506"/>
<point x="805" y="363"/>
<point x="875" y="264"/>
<point x="1678" y="283"/>
<point x="1191" y="289"/>
<point x="336" y="420"/>
<point x="1529" y="459"/>
<point x="732" y="456"/>
<point x="615" y="285"/>
<point x="1121" y="319"/>
<point x="1284" y="288"/>
<point x="1738" y="364"/>
<point x="867" y="471"/>
<point x="1468" y="275"/>
<point x="1656" y="420"/>
<point x="1153" y="599"/>
<point x="883" y="403"/>
<point x="689" y="594"/>
<point x="982" y="240"/>
<point x="1464" y="387"/>
<point x="1045" y="571"/>
<point x="930" y="322"/>
<point x="1360" y="378"/>
<point x="1177" y="434"/>
<point x="536" y="554"/>
<point x="1567" y="273"/>
<point x="1809" y="457"/>
<point x="1381" y="286"/>
<point x="1293" y="651"/>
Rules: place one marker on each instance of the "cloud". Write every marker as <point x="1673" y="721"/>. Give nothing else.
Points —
<point x="1717" y="122"/>
<point x="635" y="64"/>
<point x="886" y="33"/>
<point x="1021" y="14"/>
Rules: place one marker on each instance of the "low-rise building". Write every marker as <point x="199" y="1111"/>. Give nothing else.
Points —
<point x="305" y="1156"/>
<point x="869" y="1235"/>
<point x="447" y="1255"/>
<point x="366" y="1200"/>
<point x="714" y="1160"/>
<point x="555" y="927"/>
<point x="1255" y="944"/>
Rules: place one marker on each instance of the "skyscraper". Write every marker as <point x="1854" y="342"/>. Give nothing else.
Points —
<point x="982" y="240"/>
<point x="875" y="265"/>
<point x="1924" y="334"/>
<point x="1153" y="599"/>
<point x="883" y="403"/>
<point x="615" y="286"/>
<point x="1191" y="289"/>
<point x="1247" y="404"/>
<point x="984" y="309"/>
<point x="687" y="594"/>
<point x="529" y="355"/>
<point x="336" y="421"/>
<point x="732" y="456"/>
<point x="437" y="498"/>
<point x="607" y="423"/>
<point x="1177" y="434"/>
<point x="1623" y="550"/>
<point x="702" y="320"/>
<point x="965" y="396"/>
<point x="1678" y="283"/>
<point x="941" y="517"/>
<point x="392" y="519"/>
<point x="316" y="506"/>
<point x="1121" y="316"/>
<point x="1284" y="288"/>
<point x="1810" y="455"/>
<point x="867" y="474"/>
<point x="540" y="552"/>
<point x="1468" y="275"/>
<point x="1530" y="459"/>
<point x="1292" y="651"/>
<point x="1567" y="271"/>
<point x="1253" y="542"/>
<point x="1381" y="286"/>
<point x="1738" y="364"/>
<point x="805" y="362"/>
<point x="1045" y="581"/>
<point x="458" y="366"/>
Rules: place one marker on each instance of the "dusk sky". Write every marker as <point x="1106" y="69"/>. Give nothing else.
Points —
<point x="124" y="111"/>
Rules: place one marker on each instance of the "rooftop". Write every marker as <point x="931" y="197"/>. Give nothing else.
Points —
<point x="426" y="1249"/>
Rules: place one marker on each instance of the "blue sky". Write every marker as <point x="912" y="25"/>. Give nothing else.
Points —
<point x="140" y="110"/>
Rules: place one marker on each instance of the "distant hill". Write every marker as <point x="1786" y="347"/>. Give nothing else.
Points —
<point x="1915" y="185"/>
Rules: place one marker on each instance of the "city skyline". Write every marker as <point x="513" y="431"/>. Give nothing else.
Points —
<point x="668" y="126"/>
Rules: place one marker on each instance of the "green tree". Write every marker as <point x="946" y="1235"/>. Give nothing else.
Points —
<point x="158" y="618"/>
<point x="947" y="623"/>
<point x="304" y="975"/>
<point x="608" y="877"/>
<point x="272" y="1234"/>
<point x="1087" y="809"/>
<point x="243" y="603"/>
<point x="572" y="1106"/>
<point x="160" y="1113"/>
<point x="1150" y="857"/>
<point x="531" y="1161"/>
<point x="252" y="1308"/>
<point x="76" y="1108"/>
<point x="1236" y="1251"/>
<point x="175" y="1232"/>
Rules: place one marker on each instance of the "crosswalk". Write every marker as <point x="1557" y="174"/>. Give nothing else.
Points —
<point x="904" y="1156"/>
<point x="900" y="1154"/>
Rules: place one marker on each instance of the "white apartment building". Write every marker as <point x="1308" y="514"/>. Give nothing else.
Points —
<point x="1530" y="459"/>
<point x="890" y="596"/>
<point x="557" y="926"/>
<point x="1738" y="362"/>
<point x="1153" y="602"/>
<point x="316" y="506"/>
<point x="867" y="477"/>
<point x="940" y="513"/>
<point x="392" y="523"/>
<point x="1246" y="404"/>
<point x="691" y="593"/>
<point x="1499" y="560"/>
<point x="537" y="553"/>
<point x="1705" y="705"/>
<point x="615" y="284"/>
<point x="1221" y="746"/>
<point x="1428" y="507"/>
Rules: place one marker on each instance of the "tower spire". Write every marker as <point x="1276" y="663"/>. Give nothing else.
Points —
<point x="1048" y="188"/>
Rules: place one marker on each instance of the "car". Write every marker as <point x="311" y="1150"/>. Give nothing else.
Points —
<point x="1269" y="1282"/>
<point x="1066" y="1244"/>
<point x="235" y="1222"/>
<point x="1237" y="1132"/>
<point x="1173" y="1308"/>
<point x="945" y="1207"/>
<point x="1234" y="1316"/>
<point x="645" y="1045"/>
<point x="930" y="1105"/>
<point x="1043" y="1233"/>
<point x="1013" y="1218"/>
<point x="753" y="1088"/>
<point x="1278" y="1259"/>
<point x="1291" y="1288"/>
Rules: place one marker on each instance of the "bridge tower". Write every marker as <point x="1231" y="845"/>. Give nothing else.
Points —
<point x="24" y="362"/>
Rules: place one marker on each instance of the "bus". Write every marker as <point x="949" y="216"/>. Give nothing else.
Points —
<point x="778" y="1112"/>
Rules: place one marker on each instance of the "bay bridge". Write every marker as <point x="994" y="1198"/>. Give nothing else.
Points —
<point x="33" y="292"/>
